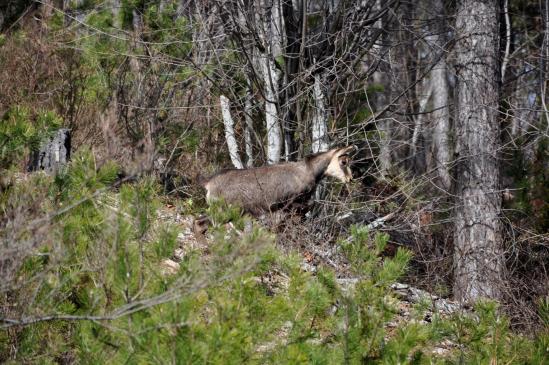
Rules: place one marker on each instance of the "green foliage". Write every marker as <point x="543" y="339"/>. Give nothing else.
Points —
<point x="100" y="259"/>
<point x="484" y="337"/>
<point x="20" y="132"/>
<point x="374" y="88"/>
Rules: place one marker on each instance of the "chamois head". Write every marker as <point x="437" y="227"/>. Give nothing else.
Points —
<point x="339" y="164"/>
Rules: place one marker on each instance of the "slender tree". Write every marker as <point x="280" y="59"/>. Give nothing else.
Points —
<point x="439" y="93"/>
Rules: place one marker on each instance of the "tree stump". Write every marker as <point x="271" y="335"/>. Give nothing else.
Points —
<point x="53" y="154"/>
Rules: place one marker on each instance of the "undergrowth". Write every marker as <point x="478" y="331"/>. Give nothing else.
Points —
<point x="84" y="284"/>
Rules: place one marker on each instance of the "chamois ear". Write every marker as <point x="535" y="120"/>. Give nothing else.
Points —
<point x="346" y="150"/>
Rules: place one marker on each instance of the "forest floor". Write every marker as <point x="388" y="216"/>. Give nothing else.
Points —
<point x="408" y="297"/>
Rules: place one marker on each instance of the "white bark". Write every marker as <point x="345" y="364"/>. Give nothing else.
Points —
<point x="270" y="21"/>
<point x="434" y="52"/>
<point x="507" y="39"/>
<point x="320" y="118"/>
<point x="545" y="54"/>
<point x="400" y="78"/>
<point x="274" y="136"/>
<point x="276" y="29"/>
<point x="441" y="119"/>
<point x="248" y="129"/>
<point x="137" y="23"/>
<point x="384" y="128"/>
<point x="53" y="154"/>
<point x="319" y="127"/>
<point x="419" y="120"/>
<point x="229" y="132"/>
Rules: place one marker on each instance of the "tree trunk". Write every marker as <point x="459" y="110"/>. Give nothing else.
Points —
<point x="440" y="92"/>
<point x="294" y="13"/>
<point x="270" y="19"/>
<point x="271" y="77"/>
<point x="320" y="117"/>
<point x="478" y="254"/>
<point x="424" y="94"/>
<point x="229" y="132"/>
<point x="400" y="78"/>
<point x="441" y="119"/>
<point x="394" y="77"/>
<point x="381" y="79"/>
<point x="249" y="127"/>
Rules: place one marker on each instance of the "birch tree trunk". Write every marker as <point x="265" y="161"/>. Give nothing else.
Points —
<point x="230" y="138"/>
<point x="441" y="119"/>
<point x="249" y="127"/>
<point x="430" y="148"/>
<point x="425" y="91"/>
<point x="319" y="127"/>
<point x="271" y="76"/>
<point x="320" y="117"/>
<point x="440" y="91"/>
<point x="478" y="255"/>
<point x="270" y="34"/>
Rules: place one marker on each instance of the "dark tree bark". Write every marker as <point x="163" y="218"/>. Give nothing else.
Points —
<point x="478" y="254"/>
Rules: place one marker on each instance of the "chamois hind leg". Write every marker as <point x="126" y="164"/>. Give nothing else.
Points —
<point x="272" y="220"/>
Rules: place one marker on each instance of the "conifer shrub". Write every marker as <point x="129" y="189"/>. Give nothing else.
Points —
<point x="21" y="132"/>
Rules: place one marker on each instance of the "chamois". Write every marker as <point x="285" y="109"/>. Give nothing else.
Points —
<point x="283" y="186"/>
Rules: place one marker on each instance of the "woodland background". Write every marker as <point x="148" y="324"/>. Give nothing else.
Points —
<point x="446" y="101"/>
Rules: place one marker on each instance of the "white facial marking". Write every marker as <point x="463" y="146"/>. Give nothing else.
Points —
<point x="338" y="167"/>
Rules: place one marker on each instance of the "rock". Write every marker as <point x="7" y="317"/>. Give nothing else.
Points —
<point x="179" y="254"/>
<point x="444" y="348"/>
<point x="414" y="295"/>
<point x="347" y="283"/>
<point x="169" y="267"/>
